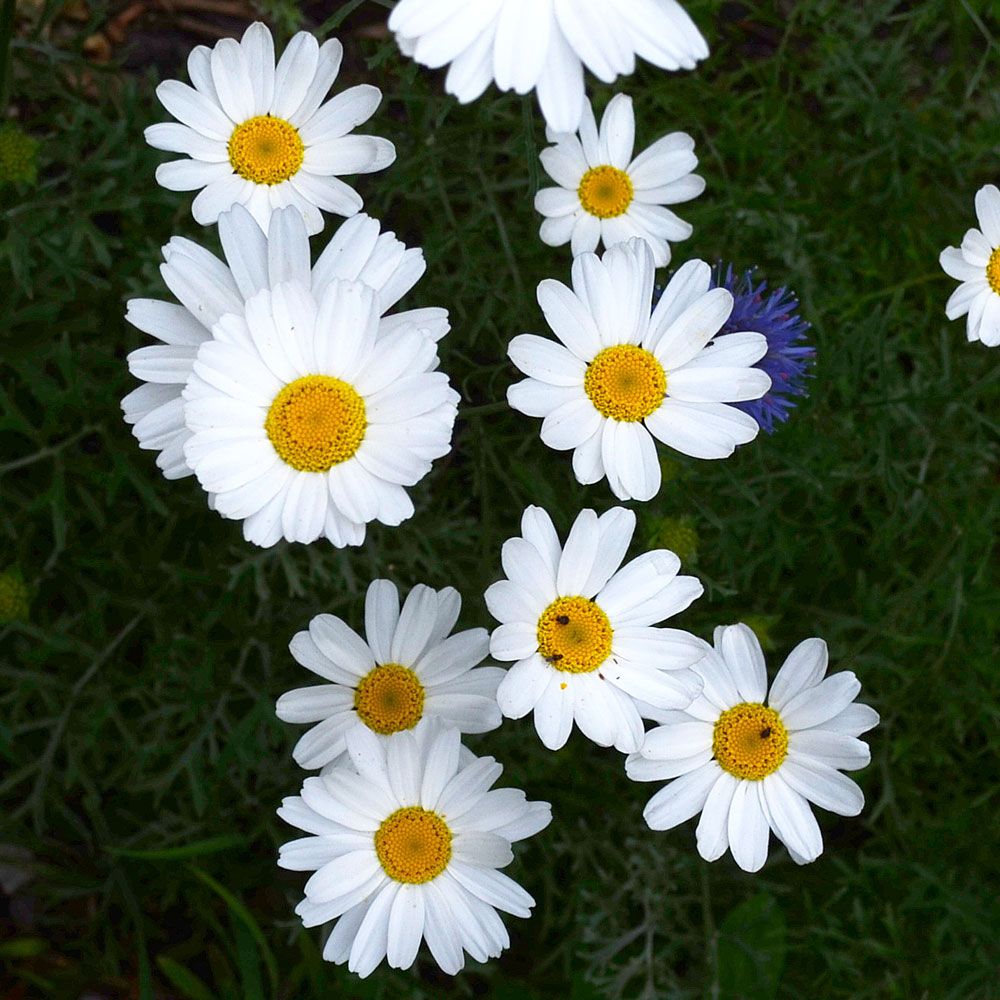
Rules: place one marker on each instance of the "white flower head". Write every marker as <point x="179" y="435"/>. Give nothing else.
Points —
<point x="607" y="194"/>
<point x="624" y="373"/>
<point x="749" y="767"/>
<point x="977" y="266"/>
<point x="307" y="422"/>
<point x="260" y="135"/>
<point x="408" y="668"/>
<point x="406" y="842"/>
<point x="544" y="45"/>
<point x="581" y="630"/>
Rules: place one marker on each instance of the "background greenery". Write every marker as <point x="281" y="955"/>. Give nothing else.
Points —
<point x="141" y="760"/>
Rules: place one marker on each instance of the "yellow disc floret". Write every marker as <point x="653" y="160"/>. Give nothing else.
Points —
<point x="750" y="741"/>
<point x="606" y="192"/>
<point x="389" y="699"/>
<point x="574" y="635"/>
<point x="413" y="845"/>
<point x="993" y="271"/>
<point x="316" y="422"/>
<point x="625" y="383"/>
<point x="266" y="150"/>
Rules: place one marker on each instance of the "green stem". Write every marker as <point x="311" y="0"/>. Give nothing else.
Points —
<point x="6" y="33"/>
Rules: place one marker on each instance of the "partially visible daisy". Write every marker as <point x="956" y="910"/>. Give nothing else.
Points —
<point x="750" y="767"/>
<point x="207" y="289"/>
<point x="406" y="842"/>
<point x="607" y="195"/>
<point x="307" y="423"/>
<point x="262" y="136"/>
<point x="409" y="669"/>
<point x="789" y="356"/>
<point x="580" y="626"/>
<point x="621" y="377"/>
<point x="977" y="266"/>
<point x="544" y="45"/>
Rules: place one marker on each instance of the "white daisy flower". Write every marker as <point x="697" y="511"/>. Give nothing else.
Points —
<point x="621" y="377"/>
<point x="262" y="136"/>
<point x="581" y="630"/>
<point x="207" y="289"/>
<point x="406" y="842"/>
<point x="306" y="422"/>
<point x="410" y="668"/>
<point x="607" y="195"/>
<point x="748" y="767"/>
<point x="543" y="45"/>
<point x="977" y="266"/>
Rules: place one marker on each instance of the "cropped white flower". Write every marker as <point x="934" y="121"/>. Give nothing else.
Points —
<point x="543" y="45"/>
<point x="306" y="422"/>
<point x="406" y="843"/>
<point x="621" y="377"/>
<point x="607" y="195"/>
<point x="748" y="767"/>
<point x="261" y="136"/>
<point x="409" y="669"/>
<point x="207" y="289"/>
<point x="580" y="630"/>
<point x="977" y="266"/>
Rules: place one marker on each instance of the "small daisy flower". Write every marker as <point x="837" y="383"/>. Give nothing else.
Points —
<point x="977" y="266"/>
<point x="581" y="630"/>
<point x="620" y="377"/>
<point x="410" y="668"/>
<point x="545" y="45"/>
<point x="307" y="422"/>
<point x="260" y="135"/>
<point x="607" y="195"/>
<point x="750" y="767"/>
<point x="406" y="840"/>
<point x="207" y="289"/>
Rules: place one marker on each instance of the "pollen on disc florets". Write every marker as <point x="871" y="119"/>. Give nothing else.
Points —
<point x="266" y="150"/>
<point x="606" y="192"/>
<point x="316" y="422"/>
<point x="389" y="699"/>
<point x="993" y="271"/>
<point x="750" y="741"/>
<point x="413" y="845"/>
<point x="625" y="383"/>
<point x="574" y="635"/>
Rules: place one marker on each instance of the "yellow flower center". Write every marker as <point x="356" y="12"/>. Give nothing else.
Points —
<point x="750" y="741"/>
<point x="625" y="383"/>
<point x="993" y="271"/>
<point x="413" y="845"/>
<point x="606" y="192"/>
<point x="266" y="150"/>
<point x="574" y="635"/>
<point x="316" y="422"/>
<point x="389" y="699"/>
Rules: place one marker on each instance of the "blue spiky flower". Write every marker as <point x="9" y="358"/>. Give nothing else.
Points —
<point x="789" y="355"/>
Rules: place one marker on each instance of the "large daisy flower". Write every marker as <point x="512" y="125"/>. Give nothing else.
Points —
<point x="977" y="266"/>
<point x="750" y="767"/>
<point x="306" y="422"/>
<point x="580" y="629"/>
<point x="406" y="842"/>
<point x="261" y="136"/>
<point x="606" y="194"/>
<point x="544" y="45"/>
<point x="207" y="289"/>
<point x="620" y="377"/>
<point x="410" y="668"/>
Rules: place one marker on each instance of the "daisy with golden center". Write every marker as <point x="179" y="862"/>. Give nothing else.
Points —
<point x="263" y="135"/>
<point x="580" y="628"/>
<point x="606" y="194"/>
<point x="751" y="762"/>
<point x="406" y="844"/>
<point x="408" y="667"/>
<point x="208" y="288"/>
<point x="976" y="264"/>
<point x="624" y="373"/>
<point x="307" y="422"/>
